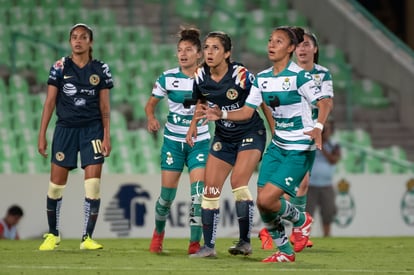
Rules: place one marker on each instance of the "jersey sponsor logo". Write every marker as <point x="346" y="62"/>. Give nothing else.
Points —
<point x="79" y="101"/>
<point x="217" y="146"/>
<point x="286" y="84"/>
<point x="264" y="85"/>
<point x="175" y="83"/>
<point x="69" y="89"/>
<point x="60" y="156"/>
<point x="232" y="94"/>
<point x="94" y="79"/>
<point x="67" y="76"/>
<point x="285" y="124"/>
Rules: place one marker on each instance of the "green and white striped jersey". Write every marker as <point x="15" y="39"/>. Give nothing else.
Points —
<point x="323" y="79"/>
<point x="291" y="95"/>
<point x="178" y="87"/>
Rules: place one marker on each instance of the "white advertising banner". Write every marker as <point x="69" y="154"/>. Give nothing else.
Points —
<point x="368" y="205"/>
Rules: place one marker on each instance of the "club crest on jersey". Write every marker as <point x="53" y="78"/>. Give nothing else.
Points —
<point x="60" y="156"/>
<point x="232" y="94"/>
<point x="286" y="84"/>
<point x="217" y="146"/>
<point x="94" y="79"/>
<point x="317" y="80"/>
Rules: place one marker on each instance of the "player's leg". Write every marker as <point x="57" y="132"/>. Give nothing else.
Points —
<point x="269" y="213"/>
<point x="243" y="169"/>
<point x="172" y="164"/>
<point x="216" y="173"/>
<point x="328" y="208"/>
<point x="92" y="161"/>
<point x="196" y="162"/>
<point x="63" y="158"/>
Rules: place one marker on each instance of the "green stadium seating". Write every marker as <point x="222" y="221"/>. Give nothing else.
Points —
<point x="234" y="6"/>
<point x="190" y="9"/>
<point x="370" y="94"/>
<point x="226" y="22"/>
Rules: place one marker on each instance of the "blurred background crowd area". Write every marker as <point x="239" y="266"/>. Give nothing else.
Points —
<point x="367" y="53"/>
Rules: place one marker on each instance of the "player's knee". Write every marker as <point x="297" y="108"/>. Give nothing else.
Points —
<point x="210" y="203"/>
<point x="92" y="188"/>
<point x="242" y="194"/>
<point x="55" y="191"/>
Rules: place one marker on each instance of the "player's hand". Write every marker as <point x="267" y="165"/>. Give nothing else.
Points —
<point x="191" y="136"/>
<point x="315" y="134"/>
<point x="153" y="125"/>
<point x="106" y="148"/>
<point x="42" y="147"/>
<point x="213" y="113"/>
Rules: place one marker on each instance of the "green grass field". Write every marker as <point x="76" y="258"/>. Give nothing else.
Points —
<point x="131" y="256"/>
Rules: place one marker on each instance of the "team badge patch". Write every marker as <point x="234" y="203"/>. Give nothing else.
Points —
<point x="317" y="80"/>
<point x="232" y="94"/>
<point x="286" y="84"/>
<point x="94" y="79"/>
<point x="60" y="156"/>
<point x="217" y="146"/>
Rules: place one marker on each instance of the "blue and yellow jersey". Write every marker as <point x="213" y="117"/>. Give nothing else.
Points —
<point x="229" y="94"/>
<point x="77" y="103"/>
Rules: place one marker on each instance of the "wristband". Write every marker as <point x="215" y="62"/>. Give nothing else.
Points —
<point x="224" y="114"/>
<point x="319" y="125"/>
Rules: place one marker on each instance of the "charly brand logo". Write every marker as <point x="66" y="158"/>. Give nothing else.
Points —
<point x="345" y="204"/>
<point x="407" y="204"/>
<point x="127" y="208"/>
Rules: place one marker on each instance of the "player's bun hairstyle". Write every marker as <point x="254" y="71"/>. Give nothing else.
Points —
<point x="190" y="34"/>
<point x="86" y="27"/>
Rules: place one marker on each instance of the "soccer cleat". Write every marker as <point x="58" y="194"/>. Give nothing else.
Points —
<point x="279" y="257"/>
<point x="89" y="244"/>
<point x="309" y="244"/>
<point x="51" y="242"/>
<point x="156" y="242"/>
<point x="301" y="234"/>
<point x="193" y="247"/>
<point x="241" y="248"/>
<point x="267" y="241"/>
<point x="204" y="252"/>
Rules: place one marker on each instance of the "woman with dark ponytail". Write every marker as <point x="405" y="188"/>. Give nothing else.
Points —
<point x="290" y="93"/>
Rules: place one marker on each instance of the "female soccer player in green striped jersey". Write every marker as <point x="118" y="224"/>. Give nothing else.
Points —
<point x="291" y="93"/>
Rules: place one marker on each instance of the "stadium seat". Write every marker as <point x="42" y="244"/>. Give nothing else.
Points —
<point x="190" y="9"/>
<point x="234" y="6"/>
<point x="257" y="38"/>
<point x="226" y="22"/>
<point x="370" y="94"/>
<point x="295" y="18"/>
